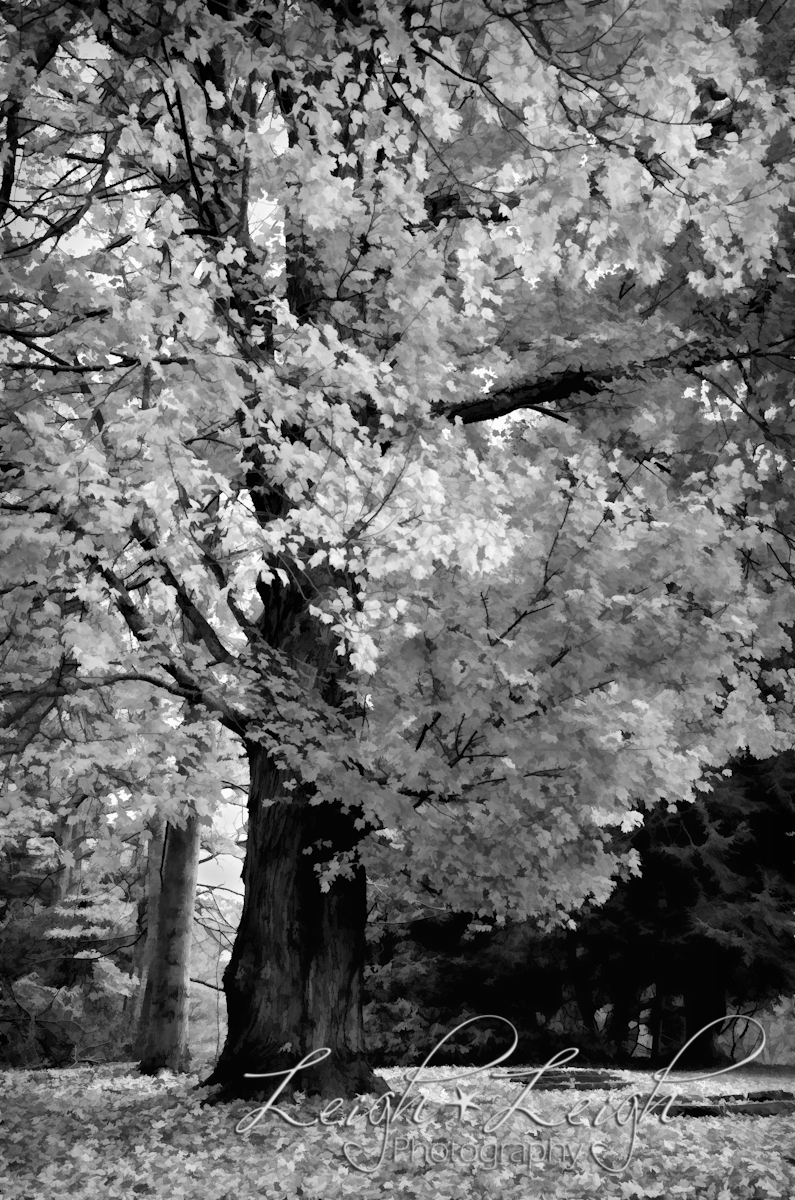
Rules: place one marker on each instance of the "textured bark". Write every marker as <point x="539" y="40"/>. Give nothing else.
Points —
<point x="163" y="1022"/>
<point x="146" y="946"/>
<point x="294" y="982"/>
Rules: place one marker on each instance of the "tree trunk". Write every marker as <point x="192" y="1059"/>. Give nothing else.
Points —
<point x="146" y="921"/>
<point x="163" y="1022"/>
<point x="146" y="946"/>
<point x="294" y="982"/>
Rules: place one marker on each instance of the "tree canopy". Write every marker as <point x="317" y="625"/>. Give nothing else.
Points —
<point x="271" y="274"/>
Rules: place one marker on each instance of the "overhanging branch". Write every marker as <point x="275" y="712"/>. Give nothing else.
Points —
<point x="538" y="395"/>
<point x="544" y="394"/>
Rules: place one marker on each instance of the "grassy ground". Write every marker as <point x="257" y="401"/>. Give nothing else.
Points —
<point x="87" y="1132"/>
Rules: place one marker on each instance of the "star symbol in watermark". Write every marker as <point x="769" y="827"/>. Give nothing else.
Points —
<point x="463" y="1103"/>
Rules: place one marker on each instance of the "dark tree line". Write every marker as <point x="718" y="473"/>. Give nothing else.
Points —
<point x="707" y="928"/>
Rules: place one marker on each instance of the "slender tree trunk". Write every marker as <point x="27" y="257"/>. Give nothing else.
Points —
<point x="70" y="837"/>
<point x="294" y="982"/>
<point x="146" y="919"/>
<point x="163" y="1023"/>
<point x="148" y="922"/>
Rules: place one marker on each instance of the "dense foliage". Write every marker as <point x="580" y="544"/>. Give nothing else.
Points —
<point x="705" y="929"/>
<point x="271" y="275"/>
<point x="709" y="920"/>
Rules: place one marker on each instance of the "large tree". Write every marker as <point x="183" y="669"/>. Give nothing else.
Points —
<point x="257" y="260"/>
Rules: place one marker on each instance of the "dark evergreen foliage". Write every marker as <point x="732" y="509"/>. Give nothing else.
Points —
<point x="707" y="928"/>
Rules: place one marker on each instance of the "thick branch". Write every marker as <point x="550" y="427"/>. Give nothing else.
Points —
<point x="201" y="626"/>
<point x="125" y="361"/>
<point x="143" y="632"/>
<point x="141" y="628"/>
<point x="537" y="396"/>
<point x="541" y="395"/>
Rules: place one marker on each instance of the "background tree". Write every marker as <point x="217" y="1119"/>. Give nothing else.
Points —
<point x="710" y="917"/>
<point x="704" y="929"/>
<point x="84" y="774"/>
<point x="172" y="876"/>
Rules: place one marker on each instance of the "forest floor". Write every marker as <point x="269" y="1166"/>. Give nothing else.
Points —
<point x="83" y="1132"/>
